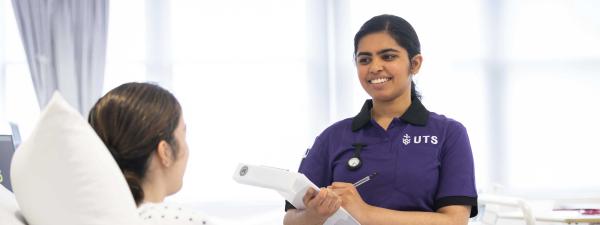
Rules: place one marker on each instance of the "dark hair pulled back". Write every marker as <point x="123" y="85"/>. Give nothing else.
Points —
<point x="131" y="120"/>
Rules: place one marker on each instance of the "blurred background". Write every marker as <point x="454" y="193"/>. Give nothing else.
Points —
<point x="259" y="80"/>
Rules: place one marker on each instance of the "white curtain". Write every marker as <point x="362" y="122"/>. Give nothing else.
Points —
<point x="2" y="66"/>
<point x="65" y="44"/>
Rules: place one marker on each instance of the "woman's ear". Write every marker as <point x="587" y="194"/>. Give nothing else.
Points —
<point x="415" y="63"/>
<point x="165" y="154"/>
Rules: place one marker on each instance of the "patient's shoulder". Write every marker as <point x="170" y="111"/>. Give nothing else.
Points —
<point x="171" y="214"/>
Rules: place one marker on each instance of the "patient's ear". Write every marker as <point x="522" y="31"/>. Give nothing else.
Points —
<point x="165" y="154"/>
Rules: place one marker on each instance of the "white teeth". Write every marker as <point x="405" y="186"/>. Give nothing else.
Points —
<point x="379" y="80"/>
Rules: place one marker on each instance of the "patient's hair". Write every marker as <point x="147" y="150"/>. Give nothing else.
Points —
<point x="131" y="120"/>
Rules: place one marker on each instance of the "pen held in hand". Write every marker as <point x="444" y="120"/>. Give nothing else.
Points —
<point x="364" y="180"/>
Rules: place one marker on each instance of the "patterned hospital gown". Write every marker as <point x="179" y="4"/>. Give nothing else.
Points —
<point x="170" y="214"/>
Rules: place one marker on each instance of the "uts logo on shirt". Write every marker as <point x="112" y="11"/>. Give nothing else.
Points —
<point x="426" y="139"/>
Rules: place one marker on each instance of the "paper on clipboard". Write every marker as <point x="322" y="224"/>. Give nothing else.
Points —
<point x="291" y="185"/>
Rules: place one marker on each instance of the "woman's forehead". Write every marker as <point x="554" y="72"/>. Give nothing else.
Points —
<point x="377" y="41"/>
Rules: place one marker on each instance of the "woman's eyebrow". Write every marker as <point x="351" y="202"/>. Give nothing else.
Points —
<point x="364" y="53"/>
<point x="383" y="51"/>
<point x="386" y="51"/>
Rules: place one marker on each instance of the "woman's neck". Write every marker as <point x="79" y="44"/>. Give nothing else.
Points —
<point x="383" y="112"/>
<point x="154" y="192"/>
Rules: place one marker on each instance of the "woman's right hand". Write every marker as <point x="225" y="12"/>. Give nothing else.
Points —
<point x="321" y="204"/>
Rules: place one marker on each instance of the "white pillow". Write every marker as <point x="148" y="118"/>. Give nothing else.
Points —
<point x="63" y="174"/>
<point x="9" y="211"/>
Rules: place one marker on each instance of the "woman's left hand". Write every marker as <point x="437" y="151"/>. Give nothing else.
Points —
<point x="351" y="200"/>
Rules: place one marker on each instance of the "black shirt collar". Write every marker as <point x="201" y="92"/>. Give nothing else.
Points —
<point x="416" y="114"/>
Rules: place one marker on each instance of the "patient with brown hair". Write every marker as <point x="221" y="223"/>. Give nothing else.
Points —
<point x="143" y="127"/>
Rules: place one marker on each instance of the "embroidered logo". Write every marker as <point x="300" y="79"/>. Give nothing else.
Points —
<point x="425" y="139"/>
<point x="406" y="139"/>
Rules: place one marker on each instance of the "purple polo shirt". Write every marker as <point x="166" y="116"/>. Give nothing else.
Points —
<point x="423" y="161"/>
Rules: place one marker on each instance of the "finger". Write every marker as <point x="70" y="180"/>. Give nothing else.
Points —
<point x="337" y="191"/>
<point x="314" y="193"/>
<point x="338" y="204"/>
<point x="340" y="184"/>
<point x="340" y="191"/>
<point x="335" y="196"/>
<point x="310" y="194"/>
<point x="331" y="191"/>
<point x="321" y="196"/>
<point x="328" y="201"/>
<point x="318" y="199"/>
<point x="333" y="201"/>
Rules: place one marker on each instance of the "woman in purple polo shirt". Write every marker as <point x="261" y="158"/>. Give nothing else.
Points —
<point x="422" y="160"/>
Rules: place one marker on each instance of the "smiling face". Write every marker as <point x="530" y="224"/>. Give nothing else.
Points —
<point x="384" y="67"/>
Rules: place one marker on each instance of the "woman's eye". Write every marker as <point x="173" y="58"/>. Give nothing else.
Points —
<point x="364" y="60"/>
<point x="389" y="57"/>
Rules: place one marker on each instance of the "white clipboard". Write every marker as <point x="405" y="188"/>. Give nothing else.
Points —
<point x="291" y="185"/>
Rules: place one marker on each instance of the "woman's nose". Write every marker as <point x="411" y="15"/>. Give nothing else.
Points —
<point x="376" y="67"/>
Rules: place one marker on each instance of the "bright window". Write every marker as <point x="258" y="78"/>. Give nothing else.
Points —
<point x="19" y="104"/>
<point x="240" y="75"/>
<point x="126" y="44"/>
<point x="553" y="58"/>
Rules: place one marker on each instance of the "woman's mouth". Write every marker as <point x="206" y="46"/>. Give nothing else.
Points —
<point x="379" y="80"/>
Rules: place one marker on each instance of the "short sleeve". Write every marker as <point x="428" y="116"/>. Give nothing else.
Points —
<point x="457" y="177"/>
<point x="315" y="165"/>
